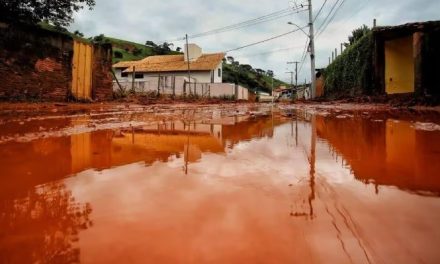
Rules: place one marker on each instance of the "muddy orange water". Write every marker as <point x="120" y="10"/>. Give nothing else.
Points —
<point x="219" y="185"/>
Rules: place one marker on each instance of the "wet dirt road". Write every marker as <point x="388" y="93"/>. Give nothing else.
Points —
<point x="219" y="184"/>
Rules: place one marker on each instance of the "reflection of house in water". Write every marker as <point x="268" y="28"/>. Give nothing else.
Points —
<point x="159" y="142"/>
<point x="386" y="153"/>
<point x="29" y="164"/>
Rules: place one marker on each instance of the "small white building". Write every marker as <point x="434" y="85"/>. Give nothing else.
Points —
<point x="204" y="68"/>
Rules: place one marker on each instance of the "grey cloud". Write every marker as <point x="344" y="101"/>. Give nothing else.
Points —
<point x="157" y="20"/>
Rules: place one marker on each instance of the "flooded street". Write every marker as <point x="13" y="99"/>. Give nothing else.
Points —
<point x="219" y="184"/>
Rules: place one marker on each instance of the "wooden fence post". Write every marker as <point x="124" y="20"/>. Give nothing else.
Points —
<point x="132" y="79"/>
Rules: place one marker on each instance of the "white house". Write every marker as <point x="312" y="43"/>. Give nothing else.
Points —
<point x="204" y="68"/>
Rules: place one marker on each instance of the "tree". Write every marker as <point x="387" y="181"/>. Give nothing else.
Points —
<point x="100" y="39"/>
<point x="178" y="49"/>
<point x="118" y="54"/>
<point x="136" y="51"/>
<point x="59" y="13"/>
<point x="269" y="73"/>
<point x="150" y="43"/>
<point x="230" y="59"/>
<point x="77" y="33"/>
<point x="163" y="49"/>
<point x="358" y="33"/>
<point x="246" y="67"/>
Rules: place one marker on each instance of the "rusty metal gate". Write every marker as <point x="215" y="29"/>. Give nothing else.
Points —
<point x="82" y="71"/>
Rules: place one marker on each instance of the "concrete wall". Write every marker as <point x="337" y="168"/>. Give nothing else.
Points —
<point x="399" y="66"/>
<point x="218" y="78"/>
<point x="36" y="64"/>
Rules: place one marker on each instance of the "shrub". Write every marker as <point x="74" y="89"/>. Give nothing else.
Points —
<point x="351" y="73"/>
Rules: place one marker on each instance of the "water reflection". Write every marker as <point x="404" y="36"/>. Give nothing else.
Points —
<point x="387" y="152"/>
<point x="42" y="226"/>
<point x="286" y="189"/>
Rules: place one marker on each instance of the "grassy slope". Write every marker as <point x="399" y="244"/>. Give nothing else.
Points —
<point x="249" y="79"/>
<point x="127" y="47"/>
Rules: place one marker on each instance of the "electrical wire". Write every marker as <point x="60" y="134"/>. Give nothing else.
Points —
<point x="265" y="40"/>
<point x="327" y="17"/>
<point x="266" y="18"/>
<point x="320" y="10"/>
<point x="331" y="19"/>
<point x="266" y="52"/>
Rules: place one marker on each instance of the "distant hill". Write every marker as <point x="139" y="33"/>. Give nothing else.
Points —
<point x="134" y="51"/>
<point x="247" y="76"/>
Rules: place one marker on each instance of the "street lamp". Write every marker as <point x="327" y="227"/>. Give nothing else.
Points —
<point x="300" y="28"/>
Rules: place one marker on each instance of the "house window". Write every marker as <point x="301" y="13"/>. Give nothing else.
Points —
<point x="124" y="74"/>
<point x="219" y="72"/>
<point x="139" y="76"/>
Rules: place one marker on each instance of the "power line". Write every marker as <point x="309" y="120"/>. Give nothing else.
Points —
<point x="331" y="19"/>
<point x="331" y="16"/>
<point x="266" y="18"/>
<point x="328" y="16"/>
<point x="320" y="10"/>
<point x="222" y="30"/>
<point x="267" y="52"/>
<point x="304" y="56"/>
<point x="265" y="40"/>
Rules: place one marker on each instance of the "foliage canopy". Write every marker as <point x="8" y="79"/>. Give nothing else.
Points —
<point x="59" y="12"/>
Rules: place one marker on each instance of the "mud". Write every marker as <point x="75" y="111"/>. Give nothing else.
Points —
<point x="233" y="183"/>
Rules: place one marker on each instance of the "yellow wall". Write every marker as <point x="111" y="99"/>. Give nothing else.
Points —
<point x="399" y="66"/>
<point x="82" y="70"/>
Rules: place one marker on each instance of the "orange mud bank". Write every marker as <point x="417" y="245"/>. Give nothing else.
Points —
<point x="232" y="183"/>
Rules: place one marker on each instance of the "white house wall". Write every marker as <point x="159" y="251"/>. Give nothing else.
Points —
<point x="198" y="76"/>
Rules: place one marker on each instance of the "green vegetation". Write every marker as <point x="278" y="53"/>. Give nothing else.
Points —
<point x="132" y="51"/>
<point x="249" y="77"/>
<point x="58" y="13"/>
<point x="351" y="73"/>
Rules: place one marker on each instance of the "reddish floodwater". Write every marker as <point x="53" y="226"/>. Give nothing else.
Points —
<point x="307" y="187"/>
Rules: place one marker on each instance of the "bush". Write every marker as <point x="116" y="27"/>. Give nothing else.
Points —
<point x="118" y="54"/>
<point x="351" y="73"/>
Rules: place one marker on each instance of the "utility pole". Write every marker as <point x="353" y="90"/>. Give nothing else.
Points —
<point x="336" y="53"/>
<point x="291" y="83"/>
<point x="296" y="71"/>
<point x="312" y="49"/>
<point x="342" y="48"/>
<point x="189" y="70"/>
<point x="272" y="89"/>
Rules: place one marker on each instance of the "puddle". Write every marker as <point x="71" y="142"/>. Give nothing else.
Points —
<point x="220" y="186"/>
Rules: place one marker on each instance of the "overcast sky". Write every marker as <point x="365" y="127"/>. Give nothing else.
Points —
<point x="160" y="20"/>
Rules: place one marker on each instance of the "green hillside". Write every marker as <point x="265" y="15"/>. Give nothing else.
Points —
<point x="247" y="76"/>
<point x="134" y="51"/>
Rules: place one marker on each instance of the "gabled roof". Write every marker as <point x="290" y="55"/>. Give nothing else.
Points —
<point x="172" y="63"/>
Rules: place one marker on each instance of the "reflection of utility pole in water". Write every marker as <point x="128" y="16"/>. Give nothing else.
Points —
<point x="186" y="155"/>
<point x="312" y="166"/>
<point x="296" y="128"/>
<point x="312" y="161"/>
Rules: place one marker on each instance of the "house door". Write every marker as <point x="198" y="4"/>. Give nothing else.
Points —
<point x="82" y="71"/>
<point x="399" y="66"/>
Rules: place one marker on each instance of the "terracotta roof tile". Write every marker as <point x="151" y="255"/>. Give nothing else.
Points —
<point x="172" y="63"/>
